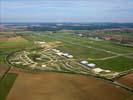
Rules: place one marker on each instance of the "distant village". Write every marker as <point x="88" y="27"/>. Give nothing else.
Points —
<point x="117" y="35"/>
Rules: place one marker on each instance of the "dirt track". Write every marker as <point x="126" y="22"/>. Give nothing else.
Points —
<point x="58" y="86"/>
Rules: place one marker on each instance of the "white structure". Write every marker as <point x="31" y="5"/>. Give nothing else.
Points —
<point x="65" y="54"/>
<point x="84" y="62"/>
<point x="39" y="42"/>
<point x="115" y="74"/>
<point x="97" y="70"/>
<point x="91" y="65"/>
<point x="107" y="71"/>
<point x="38" y="58"/>
<point x="18" y="62"/>
<point x="55" y="50"/>
<point x="59" y="54"/>
<point x="43" y="66"/>
<point x="80" y="34"/>
<point x="24" y="64"/>
<point x="70" y="56"/>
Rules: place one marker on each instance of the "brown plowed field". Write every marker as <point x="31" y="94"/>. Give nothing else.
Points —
<point x="60" y="86"/>
<point x="3" y="69"/>
<point x="2" y="32"/>
<point x="3" y="39"/>
<point x="127" y="80"/>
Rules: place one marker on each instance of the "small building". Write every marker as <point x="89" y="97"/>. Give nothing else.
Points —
<point x="18" y="62"/>
<point x="59" y="54"/>
<point x="38" y="58"/>
<point x="24" y="64"/>
<point x="65" y="54"/>
<point x="70" y="56"/>
<point x="39" y="42"/>
<point x="58" y="51"/>
<point x="55" y="50"/>
<point x="91" y="65"/>
<point x="43" y="66"/>
<point x="115" y="74"/>
<point x="107" y="71"/>
<point x="98" y="70"/>
<point x="42" y="42"/>
<point x="80" y="34"/>
<point x="84" y="62"/>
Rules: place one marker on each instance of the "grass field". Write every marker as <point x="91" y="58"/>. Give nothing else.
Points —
<point x="86" y="49"/>
<point x="6" y="84"/>
<point x="16" y="42"/>
<point x="83" y="52"/>
<point x="107" y="45"/>
<point x="12" y="44"/>
<point x="116" y="64"/>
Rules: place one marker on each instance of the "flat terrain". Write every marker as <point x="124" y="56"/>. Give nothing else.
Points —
<point x="9" y="44"/>
<point x="127" y="80"/>
<point x="58" y="86"/>
<point x="105" y="54"/>
<point x="6" y="84"/>
<point x="14" y="42"/>
<point x="3" y="69"/>
<point x="61" y="86"/>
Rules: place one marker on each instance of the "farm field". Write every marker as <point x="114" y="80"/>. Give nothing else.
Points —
<point x="3" y="69"/>
<point x="7" y="46"/>
<point x="59" y="86"/>
<point x="41" y="62"/>
<point x="6" y="84"/>
<point x="10" y="45"/>
<point x="66" y="50"/>
<point x="14" y="42"/>
<point x="126" y="80"/>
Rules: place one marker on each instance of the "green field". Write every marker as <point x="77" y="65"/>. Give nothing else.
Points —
<point x="9" y="46"/>
<point x="81" y="48"/>
<point x="94" y="51"/>
<point x="6" y="84"/>
<point x="83" y="52"/>
<point x="116" y="64"/>
<point x="18" y="42"/>
<point x="85" y="49"/>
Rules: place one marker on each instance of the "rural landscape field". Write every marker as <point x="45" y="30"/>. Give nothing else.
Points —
<point x="66" y="50"/>
<point x="36" y="57"/>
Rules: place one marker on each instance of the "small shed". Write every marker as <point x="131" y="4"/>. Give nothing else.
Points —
<point x="97" y="70"/>
<point x="91" y="65"/>
<point x="84" y="62"/>
<point x="43" y="66"/>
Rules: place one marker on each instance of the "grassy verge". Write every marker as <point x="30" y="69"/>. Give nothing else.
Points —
<point x="6" y="84"/>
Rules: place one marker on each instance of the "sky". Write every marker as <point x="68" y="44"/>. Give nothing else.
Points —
<point x="66" y="10"/>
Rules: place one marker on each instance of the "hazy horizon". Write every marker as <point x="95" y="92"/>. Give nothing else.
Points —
<point x="61" y="11"/>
